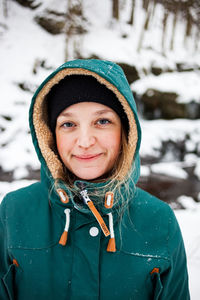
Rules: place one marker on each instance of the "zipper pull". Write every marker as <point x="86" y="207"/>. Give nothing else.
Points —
<point x="84" y="195"/>
<point x="90" y="204"/>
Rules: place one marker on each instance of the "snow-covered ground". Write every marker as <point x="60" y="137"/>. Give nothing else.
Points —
<point x="189" y="221"/>
<point x="24" y="44"/>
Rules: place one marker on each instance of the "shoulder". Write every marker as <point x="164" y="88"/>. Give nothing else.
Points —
<point x="25" y="215"/>
<point x="150" y="205"/>
<point x="19" y="199"/>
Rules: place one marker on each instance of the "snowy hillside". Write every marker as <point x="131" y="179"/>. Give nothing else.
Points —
<point x="170" y="149"/>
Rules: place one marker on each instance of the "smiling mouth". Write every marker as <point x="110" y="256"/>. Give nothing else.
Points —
<point x="87" y="157"/>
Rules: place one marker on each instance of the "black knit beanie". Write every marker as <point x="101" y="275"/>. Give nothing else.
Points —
<point x="81" y="88"/>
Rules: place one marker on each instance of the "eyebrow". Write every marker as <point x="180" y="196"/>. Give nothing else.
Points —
<point x="103" y="111"/>
<point x="99" y="112"/>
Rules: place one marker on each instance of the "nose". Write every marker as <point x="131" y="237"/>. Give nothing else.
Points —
<point x="86" y="138"/>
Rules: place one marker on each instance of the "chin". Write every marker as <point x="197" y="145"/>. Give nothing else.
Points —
<point x="90" y="175"/>
<point x="87" y="177"/>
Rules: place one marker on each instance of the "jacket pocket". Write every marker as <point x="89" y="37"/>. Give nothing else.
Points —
<point x="158" y="287"/>
<point x="8" y="281"/>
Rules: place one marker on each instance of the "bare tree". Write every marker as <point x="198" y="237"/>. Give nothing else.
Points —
<point x="188" y="18"/>
<point x="131" y="21"/>
<point x="145" y="4"/>
<point x="164" y="23"/>
<point x="173" y="30"/>
<point x="196" y="20"/>
<point x="74" y="29"/>
<point x="196" y="40"/>
<point x="115" y="9"/>
<point x="146" y="24"/>
<point x="188" y="10"/>
<point x="5" y="8"/>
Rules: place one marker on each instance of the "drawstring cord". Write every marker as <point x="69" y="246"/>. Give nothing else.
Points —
<point x="63" y="239"/>
<point x="111" y="244"/>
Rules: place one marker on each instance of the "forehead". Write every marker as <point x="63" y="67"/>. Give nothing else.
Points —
<point x="90" y="107"/>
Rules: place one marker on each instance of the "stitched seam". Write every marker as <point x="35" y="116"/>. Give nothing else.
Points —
<point x="36" y="248"/>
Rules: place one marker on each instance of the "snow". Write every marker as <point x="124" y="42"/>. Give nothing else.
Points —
<point x="24" y="45"/>
<point x="171" y="169"/>
<point x="185" y="85"/>
<point x="187" y="202"/>
<point x="157" y="131"/>
<point x="144" y="171"/>
<point x="6" y="187"/>
<point x="189" y="221"/>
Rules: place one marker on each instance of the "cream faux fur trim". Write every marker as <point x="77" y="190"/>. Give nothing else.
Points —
<point x="45" y="137"/>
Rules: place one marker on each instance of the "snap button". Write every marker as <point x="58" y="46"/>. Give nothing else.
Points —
<point x="94" y="231"/>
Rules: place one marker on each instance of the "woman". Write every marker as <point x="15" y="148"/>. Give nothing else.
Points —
<point x="86" y="231"/>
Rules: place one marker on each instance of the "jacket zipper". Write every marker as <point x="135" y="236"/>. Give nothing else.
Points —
<point x="90" y="204"/>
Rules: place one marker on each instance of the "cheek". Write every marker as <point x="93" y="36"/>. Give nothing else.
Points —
<point x="112" y="141"/>
<point x="59" y="143"/>
<point x="62" y="146"/>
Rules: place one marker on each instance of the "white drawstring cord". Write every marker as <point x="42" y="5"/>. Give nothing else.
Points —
<point x="63" y="239"/>
<point x="111" y="244"/>
<point x="67" y="213"/>
<point x="112" y="235"/>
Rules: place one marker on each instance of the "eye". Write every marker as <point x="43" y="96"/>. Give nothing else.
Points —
<point x="68" y="125"/>
<point x="103" y="122"/>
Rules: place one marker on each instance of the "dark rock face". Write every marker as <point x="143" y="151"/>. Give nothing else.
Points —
<point x="169" y="189"/>
<point x="156" y="70"/>
<point x="52" y="22"/>
<point x="157" y="104"/>
<point x="154" y="104"/>
<point x="130" y="72"/>
<point x="7" y="176"/>
<point x="29" y="3"/>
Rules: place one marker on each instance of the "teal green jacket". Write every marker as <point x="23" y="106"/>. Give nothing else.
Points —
<point x="149" y="261"/>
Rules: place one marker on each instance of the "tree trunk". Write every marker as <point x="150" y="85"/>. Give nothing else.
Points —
<point x="131" y="21"/>
<point x="5" y="8"/>
<point x="145" y="27"/>
<point x="197" y="38"/>
<point x="153" y="9"/>
<point x="146" y="4"/>
<point x="73" y="29"/>
<point x="173" y="31"/>
<point x="188" y="28"/>
<point x="165" y="18"/>
<point x="115" y="9"/>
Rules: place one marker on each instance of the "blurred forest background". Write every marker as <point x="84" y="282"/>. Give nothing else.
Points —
<point x="156" y="42"/>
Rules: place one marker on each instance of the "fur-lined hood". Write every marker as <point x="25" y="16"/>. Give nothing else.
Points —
<point x="107" y="73"/>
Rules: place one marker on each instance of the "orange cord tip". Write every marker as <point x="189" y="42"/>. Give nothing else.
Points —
<point x="63" y="239"/>
<point x="15" y="262"/>
<point x="111" y="245"/>
<point x="155" y="270"/>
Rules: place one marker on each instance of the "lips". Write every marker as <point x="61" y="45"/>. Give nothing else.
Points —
<point x="87" y="157"/>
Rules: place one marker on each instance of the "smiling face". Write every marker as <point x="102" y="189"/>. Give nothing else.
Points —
<point x="88" y="137"/>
